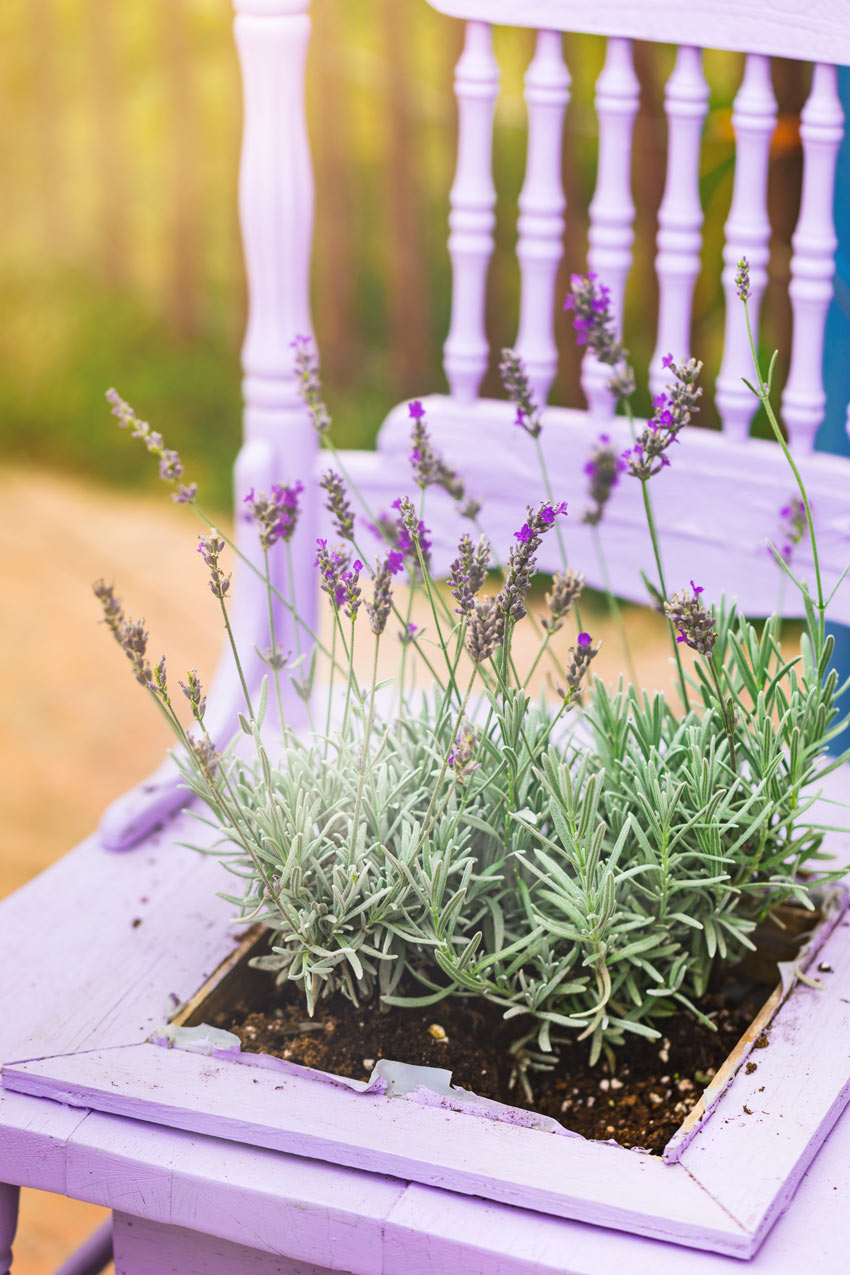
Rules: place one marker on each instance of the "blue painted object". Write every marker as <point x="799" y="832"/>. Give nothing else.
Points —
<point x="832" y="435"/>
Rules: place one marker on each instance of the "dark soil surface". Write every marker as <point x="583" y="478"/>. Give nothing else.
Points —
<point x="639" y="1104"/>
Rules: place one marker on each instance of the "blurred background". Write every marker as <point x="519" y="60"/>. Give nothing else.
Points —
<point x="119" y="248"/>
<point x="120" y="264"/>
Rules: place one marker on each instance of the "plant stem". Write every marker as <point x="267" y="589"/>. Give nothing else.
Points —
<point x="727" y="725"/>
<point x="273" y="640"/>
<point x="653" y="534"/>
<point x="427" y="580"/>
<point x="763" y="393"/>
<point x="330" y="690"/>
<point x="561" y="543"/>
<point x="362" y="776"/>
<point x="350" y="653"/>
<point x="238" y="662"/>
<point x="445" y="766"/>
<point x="613" y="604"/>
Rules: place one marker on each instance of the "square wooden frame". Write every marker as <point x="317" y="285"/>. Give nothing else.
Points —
<point x="722" y="1183"/>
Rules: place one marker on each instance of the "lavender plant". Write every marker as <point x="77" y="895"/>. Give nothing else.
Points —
<point x="582" y="863"/>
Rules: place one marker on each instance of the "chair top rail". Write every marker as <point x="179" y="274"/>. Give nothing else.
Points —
<point x="815" y="32"/>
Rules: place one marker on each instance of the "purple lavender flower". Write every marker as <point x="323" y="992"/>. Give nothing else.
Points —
<point x="170" y="464"/>
<point x="276" y="515"/>
<point x="695" y="625"/>
<point x="192" y="689"/>
<point x="113" y="612"/>
<point x="460" y="759"/>
<point x="467" y="572"/>
<point x="410" y="533"/>
<point x="210" y="547"/>
<point x="672" y="411"/>
<point x="510" y="602"/>
<point x="742" y="279"/>
<point x="348" y="591"/>
<point x="594" y="325"/>
<point x="518" y="389"/>
<point x="566" y="589"/>
<point x="603" y="468"/>
<point x="310" y="386"/>
<point x="379" y="608"/>
<point x="792" y="526"/>
<point x="207" y="757"/>
<point x="408" y="635"/>
<point x="579" y="658"/>
<point x="332" y="564"/>
<point x="485" y="629"/>
<point x="337" y="504"/>
<point x="131" y="636"/>
<point x="430" y="469"/>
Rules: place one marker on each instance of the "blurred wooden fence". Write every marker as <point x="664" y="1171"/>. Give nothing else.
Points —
<point x="119" y="135"/>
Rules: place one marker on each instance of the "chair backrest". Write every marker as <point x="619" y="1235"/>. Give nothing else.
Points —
<point x="718" y="505"/>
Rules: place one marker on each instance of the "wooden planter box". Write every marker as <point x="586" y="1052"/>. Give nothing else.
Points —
<point x="722" y="1182"/>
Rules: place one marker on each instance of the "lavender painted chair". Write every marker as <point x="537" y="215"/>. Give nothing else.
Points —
<point x="192" y="1197"/>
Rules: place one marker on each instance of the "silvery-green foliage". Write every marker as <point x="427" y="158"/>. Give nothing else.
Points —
<point x="586" y="890"/>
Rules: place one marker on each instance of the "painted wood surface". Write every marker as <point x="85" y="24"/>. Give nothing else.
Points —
<point x="805" y="1085"/>
<point x="317" y="1213"/>
<point x="680" y="215"/>
<point x="813" y="259"/>
<point x="567" y="1177"/>
<point x="276" y="217"/>
<point x="120" y="970"/>
<point x="472" y="218"/>
<point x="8" y="1224"/>
<point x="717" y="506"/>
<point x="33" y="1141"/>
<point x="747" y="235"/>
<point x="799" y="1103"/>
<point x="146" y="1248"/>
<point x="423" y="1229"/>
<point x="815" y="32"/>
<point x="612" y="210"/>
<point x="541" y="211"/>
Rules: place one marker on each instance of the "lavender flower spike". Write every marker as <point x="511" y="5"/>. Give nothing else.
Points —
<point x="276" y="515"/>
<point x="671" y="413"/>
<point x="594" y="326"/>
<point x="331" y="563"/>
<point x="792" y="527"/>
<point x="695" y="624"/>
<point x="191" y="688"/>
<point x="310" y="386"/>
<point x="578" y="662"/>
<point x="603" y="468"/>
<point x="170" y="464"/>
<point x="378" y="610"/>
<point x="430" y="469"/>
<point x="463" y="751"/>
<point x="210" y="547"/>
<point x="338" y="505"/>
<point x="467" y="572"/>
<point x="485" y="630"/>
<point x="566" y="589"/>
<point x="742" y="279"/>
<point x="521" y="561"/>
<point x="515" y="380"/>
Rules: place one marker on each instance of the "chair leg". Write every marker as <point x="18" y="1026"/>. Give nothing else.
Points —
<point x="9" y="1196"/>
